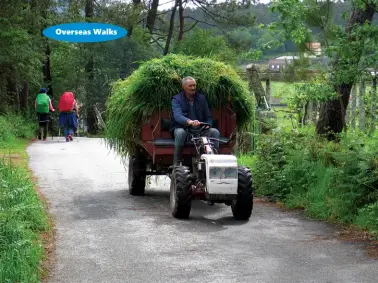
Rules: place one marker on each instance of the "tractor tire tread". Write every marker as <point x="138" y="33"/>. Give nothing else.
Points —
<point x="183" y="180"/>
<point x="137" y="173"/>
<point x="243" y="206"/>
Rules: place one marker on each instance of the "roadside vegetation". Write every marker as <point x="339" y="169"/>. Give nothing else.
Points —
<point x="23" y="217"/>
<point x="330" y="181"/>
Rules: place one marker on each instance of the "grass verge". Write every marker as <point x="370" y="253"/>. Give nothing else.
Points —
<point x="25" y="228"/>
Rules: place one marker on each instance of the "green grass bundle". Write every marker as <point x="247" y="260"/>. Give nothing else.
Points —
<point x="152" y="86"/>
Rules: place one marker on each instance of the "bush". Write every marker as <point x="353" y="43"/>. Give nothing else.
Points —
<point x="14" y="126"/>
<point x="367" y="217"/>
<point x="327" y="179"/>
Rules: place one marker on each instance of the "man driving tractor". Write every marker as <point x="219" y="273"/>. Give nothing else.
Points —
<point x="190" y="108"/>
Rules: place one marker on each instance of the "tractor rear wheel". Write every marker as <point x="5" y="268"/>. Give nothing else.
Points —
<point x="180" y="192"/>
<point x="137" y="175"/>
<point x="242" y="207"/>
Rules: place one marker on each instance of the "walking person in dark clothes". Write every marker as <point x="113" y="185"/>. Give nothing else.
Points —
<point x="43" y="106"/>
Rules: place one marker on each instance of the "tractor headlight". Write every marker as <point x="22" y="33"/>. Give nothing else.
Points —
<point x="223" y="173"/>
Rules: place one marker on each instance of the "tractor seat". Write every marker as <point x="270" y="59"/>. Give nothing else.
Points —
<point x="164" y="126"/>
<point x="171" y="142"/>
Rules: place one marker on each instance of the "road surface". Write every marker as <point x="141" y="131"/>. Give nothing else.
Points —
<point x="106" y="235"/>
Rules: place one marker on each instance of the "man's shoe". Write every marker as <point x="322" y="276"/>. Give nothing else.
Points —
<point x="70" y="137"/>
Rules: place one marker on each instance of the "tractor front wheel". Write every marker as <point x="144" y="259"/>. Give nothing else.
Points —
<point x="180" y="192"/>
<point x="242" y="207"/>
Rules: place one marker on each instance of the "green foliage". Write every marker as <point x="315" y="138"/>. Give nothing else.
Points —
<point x="13" y="126"/>
<point x="202" y="43"/>
<point x="240" y="39"/>
<point x="298" y="95"/>
<point x="367" y="217"/>
<point x="20" y="52"/>
<point x="330" y="181"/>
<point x="151" y="87"/>
<point x="22" y="219"/>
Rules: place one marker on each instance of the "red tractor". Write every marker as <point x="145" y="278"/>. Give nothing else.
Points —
<point x="204" y="174"/>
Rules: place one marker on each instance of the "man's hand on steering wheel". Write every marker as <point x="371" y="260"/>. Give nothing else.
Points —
<point x="194" y="123"/>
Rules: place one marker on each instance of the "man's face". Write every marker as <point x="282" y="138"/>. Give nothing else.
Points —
<point x="190" y="87"/>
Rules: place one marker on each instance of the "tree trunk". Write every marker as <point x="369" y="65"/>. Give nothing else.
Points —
<point x="255" y="85"/>
<point x="24" y="96"/>
<point x="89" y="68"/>
<point x="332" y="114"/>
<point x="308" y="108"/>
<point x="46" y="68"/>
<point x="373" y="104"/>
<point x="268" y="91"/>
<point x="353" y="107"/>
<point x="315" y="113"/>
<point x="136" y="12"/>
<point x="47" y="71"/>
<point x="151" y="16"/>
<point x="89" y="8"/>
<point x="170" y="31"/>
<point x="181" y="17"/>
<point x="12" y="91"/>
<point x="361" y="106"/>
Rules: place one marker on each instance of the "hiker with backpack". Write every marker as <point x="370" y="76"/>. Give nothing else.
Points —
<point x="43" y="106"/>
<point x="68" y="114"/>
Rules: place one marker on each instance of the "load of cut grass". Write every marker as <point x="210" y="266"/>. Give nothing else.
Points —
<point x="152" y="86"/>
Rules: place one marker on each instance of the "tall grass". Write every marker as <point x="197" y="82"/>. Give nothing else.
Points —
<point x="22" y="214"/>
<point x="13" y="126"/>
<point x="22" y="219"/>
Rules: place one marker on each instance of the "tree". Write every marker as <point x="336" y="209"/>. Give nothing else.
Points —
<point x="346" y="70"/>
<point x="345" y="48"/>
<point x="20" y="54"/>
<point x="204" y="43"/>
<point x="208" y="13"/>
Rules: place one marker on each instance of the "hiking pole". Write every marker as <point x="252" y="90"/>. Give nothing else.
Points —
<point x="77" y="129"/>
<point x="51" y="128"/>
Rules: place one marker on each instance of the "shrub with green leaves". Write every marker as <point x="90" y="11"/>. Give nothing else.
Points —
<point x="152" y="86"/>
<point x="337" y="181"/>
<point x="14" y="126"/>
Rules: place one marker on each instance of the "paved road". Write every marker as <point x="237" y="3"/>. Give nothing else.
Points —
<point x="106" y="235"/>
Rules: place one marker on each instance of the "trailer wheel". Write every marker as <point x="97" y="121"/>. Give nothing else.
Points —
<point x="180" y="192"/>
<point x="137" y="175"/>
<point x="242" y="207"/>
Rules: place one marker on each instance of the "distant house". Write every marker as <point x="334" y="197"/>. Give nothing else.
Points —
<point x="288" y="58"/>
<point x="372" y="71"/>
<point x="277" y="64"/>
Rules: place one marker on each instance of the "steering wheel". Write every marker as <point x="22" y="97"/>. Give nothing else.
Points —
<point x="203" y="127"/>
